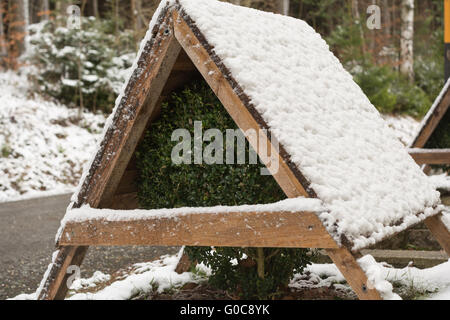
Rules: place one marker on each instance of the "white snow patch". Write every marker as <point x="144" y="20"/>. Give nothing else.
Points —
<point x="404" y="127"/>
<point x="43" y="147"/>
<point x="158" y="274"/>
<point x="98" y="277"/>
<point x="376" y="278"/>
<point x="435" y="280"/>
<point x="441" y="181"/>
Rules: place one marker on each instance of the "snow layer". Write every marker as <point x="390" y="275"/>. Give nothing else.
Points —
<point x="334" y="135"/>
<point x="403" y="127"/>
<point x="43" y="146"/>
<point x="441" y="181"/>
<point x="435" y="280"/>
<point x="161" y="274"/>
<point x="85" y="213"/>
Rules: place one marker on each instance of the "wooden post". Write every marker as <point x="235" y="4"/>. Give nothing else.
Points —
<point x="439" y="231"/>
<point x="99" y="188"/>
<point x="355" y="276"/>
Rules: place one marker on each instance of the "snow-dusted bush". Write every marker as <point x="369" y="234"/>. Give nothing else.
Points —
<point x="247" y="272"/>
<point x="80" y="66"/>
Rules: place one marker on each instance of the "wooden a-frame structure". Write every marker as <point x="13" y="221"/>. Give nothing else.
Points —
<point x="175" y="52"/>
<point x="424" y="156"/>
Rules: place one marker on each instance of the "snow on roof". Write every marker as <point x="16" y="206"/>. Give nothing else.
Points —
<point x="334" y="135"/>
<point x="370" y="185"/>
<point x="431" y="111"/>
<point x="85" y="213"/>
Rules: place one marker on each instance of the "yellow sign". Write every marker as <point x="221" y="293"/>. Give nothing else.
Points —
<point x="447" y="21"/>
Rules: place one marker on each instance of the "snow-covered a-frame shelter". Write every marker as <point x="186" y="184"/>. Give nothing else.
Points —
<point x="437" y="116"/>
<point x="270" y="72"/>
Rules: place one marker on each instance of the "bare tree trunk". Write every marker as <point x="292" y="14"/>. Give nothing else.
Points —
<point x="95" y="8"/>
<point x="387" y="19"/>
<point x="283" y="6"/>
<point x="17" y="30"/>
<point x="3" y="48"/>
<point x="116" y="16"/>
<point x="406" y="40"/>
<point x="357" y="17"/>
<point x="26" y="13"/>
<point x="45" y="10"/>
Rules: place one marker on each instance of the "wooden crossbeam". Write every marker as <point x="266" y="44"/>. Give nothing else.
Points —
<point x="430" y="156"/>
<point x="223" y="229"/>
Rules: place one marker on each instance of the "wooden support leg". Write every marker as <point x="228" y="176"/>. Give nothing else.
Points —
<point x="440" y="231"/>
<point x="355" y="276"/>
<point x="55" y="287"/>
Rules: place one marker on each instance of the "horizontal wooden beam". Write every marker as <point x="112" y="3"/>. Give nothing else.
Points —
<point x="430" y="156"/>
<point x="227" y="229"/>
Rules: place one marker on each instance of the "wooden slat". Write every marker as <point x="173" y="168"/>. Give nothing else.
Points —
<point x="120" y="141"/>
<point x="353" y="273"/>
<point x="225" y="229"/>
<point x="430" y="156"/>
<point x="432" y="122"/>
<point x="439" y="231"/>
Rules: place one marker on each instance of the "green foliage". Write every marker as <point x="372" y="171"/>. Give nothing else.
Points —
<point x="429" y="63"/>
<point x="235" y="269"/>
<point x="390" y="92"/>
<point x="5" y="151"/>
<point x="91" y="60"/>
<point x="164" y="184"/>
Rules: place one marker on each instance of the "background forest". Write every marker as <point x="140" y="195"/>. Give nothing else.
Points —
<point x="396" y="57"/>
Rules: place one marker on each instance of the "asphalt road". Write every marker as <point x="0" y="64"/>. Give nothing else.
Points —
<point x="27" y="233"/>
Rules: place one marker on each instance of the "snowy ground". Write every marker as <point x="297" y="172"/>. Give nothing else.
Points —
<point x="42" y="144"/>
<point x="160" y="276"/>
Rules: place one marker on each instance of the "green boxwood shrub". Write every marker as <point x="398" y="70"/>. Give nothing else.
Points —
<point x="247" y="272"/>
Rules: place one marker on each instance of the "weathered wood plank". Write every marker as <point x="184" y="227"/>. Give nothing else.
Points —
<point x="439" y="231"/>
<point x="353" y="273"/>
<point x="430" y="156"/>
<point x="225" y="229"/>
